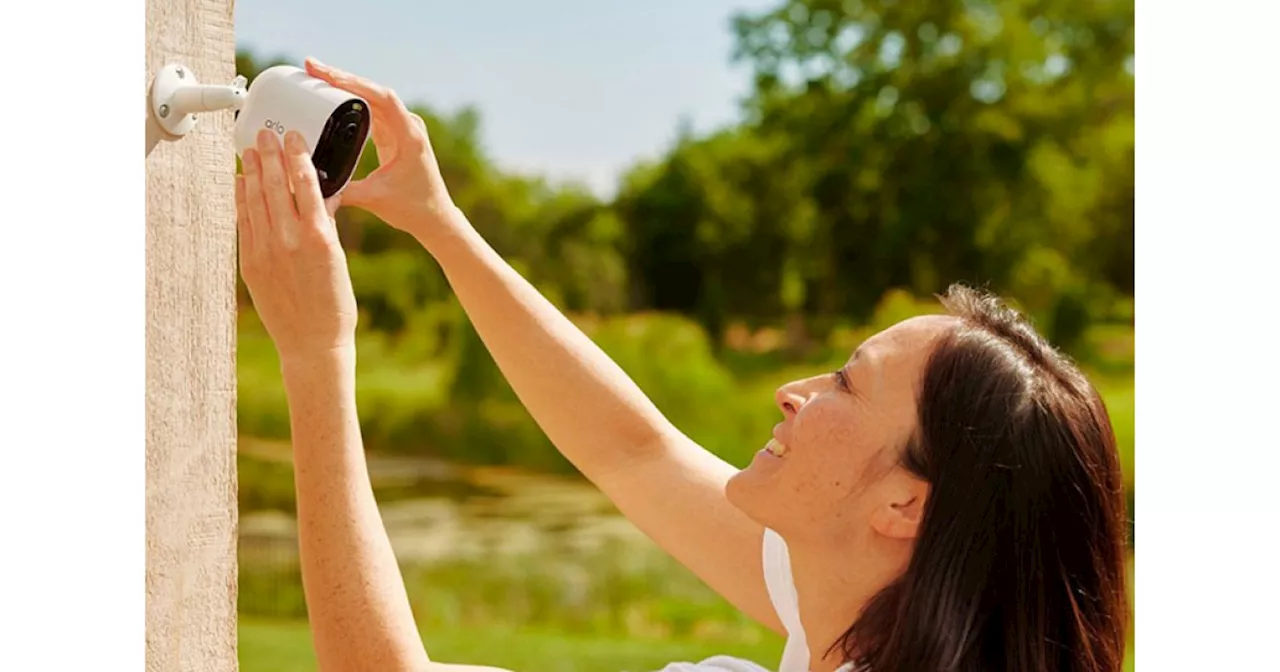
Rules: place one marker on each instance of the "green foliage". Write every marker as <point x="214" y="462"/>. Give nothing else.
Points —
<point x="892" y="145"/>
<point x="261" y="405"/>
<point x="671" y="359"/>
<point x="1119" y="400"/>
<point x="460" y="408"/>
<point x="264" y="484"/>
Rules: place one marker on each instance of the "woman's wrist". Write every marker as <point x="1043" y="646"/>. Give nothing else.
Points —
<point x="441" y="229"/>
<point x="303" y="370"/>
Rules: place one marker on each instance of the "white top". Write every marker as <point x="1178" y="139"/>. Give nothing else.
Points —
<point x="782" y="592"/>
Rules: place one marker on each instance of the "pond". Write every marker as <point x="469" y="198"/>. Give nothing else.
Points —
<point x="438" y="512"/>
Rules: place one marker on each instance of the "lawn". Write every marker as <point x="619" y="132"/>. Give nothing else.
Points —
<point x="268" y="645"/>
<point x="285" y="646"/>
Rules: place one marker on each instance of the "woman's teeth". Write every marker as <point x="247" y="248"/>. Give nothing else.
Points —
<point x="776" y="448"/>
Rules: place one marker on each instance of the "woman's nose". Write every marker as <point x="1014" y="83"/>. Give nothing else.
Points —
<point x="790" y="398"/>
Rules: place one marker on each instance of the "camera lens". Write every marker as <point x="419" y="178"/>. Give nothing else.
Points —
<point x="350" y="126"/>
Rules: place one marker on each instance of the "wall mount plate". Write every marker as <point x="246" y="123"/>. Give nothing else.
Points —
<point x="169" y="80"/>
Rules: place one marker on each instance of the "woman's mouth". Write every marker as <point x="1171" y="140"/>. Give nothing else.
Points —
<point x="776" y="448"/>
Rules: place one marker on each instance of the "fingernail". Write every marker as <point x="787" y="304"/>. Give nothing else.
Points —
<point x="316" y="63"/>
<point x="250" y="160"/>
<point x="293" y="140"/>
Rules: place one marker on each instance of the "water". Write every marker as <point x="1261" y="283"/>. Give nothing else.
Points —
<point x="483" y="546"/>
<point x="436" y="512"/>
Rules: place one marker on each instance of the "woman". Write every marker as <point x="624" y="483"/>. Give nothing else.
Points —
<point x="950" y="499"/>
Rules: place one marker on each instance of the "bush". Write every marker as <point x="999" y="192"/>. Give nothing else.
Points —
<point x="261" y="406"/>
<point x="264" y="484"/>
<point x="669" y="357"/>
<point x="397" y="396"/>
<point x="456" y="404"/>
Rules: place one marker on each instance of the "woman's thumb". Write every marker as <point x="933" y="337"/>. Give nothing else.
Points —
<point x="374" y="197"/>
<point x="358" y="193"/>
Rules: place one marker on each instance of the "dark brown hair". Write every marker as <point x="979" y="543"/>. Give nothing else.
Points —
<point x="1020" y="560"/>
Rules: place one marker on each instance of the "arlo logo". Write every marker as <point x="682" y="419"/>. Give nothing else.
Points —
<point x="275" y="126"/>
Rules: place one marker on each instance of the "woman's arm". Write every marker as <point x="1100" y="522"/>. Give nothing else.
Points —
<point x="356" y="600"/>
<point x="590" y="409"/>
<point x="296" y="273"/>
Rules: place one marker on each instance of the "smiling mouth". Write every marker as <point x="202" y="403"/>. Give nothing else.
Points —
<point x="776" y="448"/>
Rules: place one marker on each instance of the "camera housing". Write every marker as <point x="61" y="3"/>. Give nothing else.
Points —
<point x="334" y="123"/>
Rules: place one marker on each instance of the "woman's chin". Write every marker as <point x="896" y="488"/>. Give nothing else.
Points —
<point x="752" y="488"/>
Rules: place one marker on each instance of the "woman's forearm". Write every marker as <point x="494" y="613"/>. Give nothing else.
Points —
<point x="589" y="408"/>
<point x="356" y="600"/>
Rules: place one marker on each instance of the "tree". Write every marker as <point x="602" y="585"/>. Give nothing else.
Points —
<point x="980" y="141"/>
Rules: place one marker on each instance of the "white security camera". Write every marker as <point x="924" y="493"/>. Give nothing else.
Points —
<point x="334" y="123"/>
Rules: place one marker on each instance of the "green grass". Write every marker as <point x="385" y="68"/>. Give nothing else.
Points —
<point x="286" y="646"/>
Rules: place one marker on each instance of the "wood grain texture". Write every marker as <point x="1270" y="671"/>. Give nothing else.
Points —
<point x="190" y="355"/>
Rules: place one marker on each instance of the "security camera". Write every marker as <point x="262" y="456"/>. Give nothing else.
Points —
<point x="334" y="123"/>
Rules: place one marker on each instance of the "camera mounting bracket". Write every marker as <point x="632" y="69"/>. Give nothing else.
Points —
<point x="176" y="96"/>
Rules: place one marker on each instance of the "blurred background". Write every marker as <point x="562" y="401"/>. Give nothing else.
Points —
<point x="725" y="196"/>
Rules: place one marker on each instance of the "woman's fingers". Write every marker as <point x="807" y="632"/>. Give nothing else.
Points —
<point x="376" y="94"/>
<point x="275" y="182"/>
<point x="302" y="176"/>
<point x="385" y="106"/>
<point x="259" y="219"/>
<point x="383" y="141"/>
<point x="406" y="187"/>
<point x="243" y="228"/>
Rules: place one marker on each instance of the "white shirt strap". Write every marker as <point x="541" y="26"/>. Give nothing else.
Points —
<point x="782" y="592"/>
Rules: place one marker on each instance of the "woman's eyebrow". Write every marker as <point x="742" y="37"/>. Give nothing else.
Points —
<point x="877" y="379"/>
<point x="848" y="383"/>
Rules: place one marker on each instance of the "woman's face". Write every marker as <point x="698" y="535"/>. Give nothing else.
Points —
<point x="831" y="469"/>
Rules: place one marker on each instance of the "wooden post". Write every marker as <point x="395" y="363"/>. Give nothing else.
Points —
<point x="190" y="356"/>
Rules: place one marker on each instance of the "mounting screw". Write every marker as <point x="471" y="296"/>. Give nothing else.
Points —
<point x="181" y="73"/>
<point x="164" y="111"/>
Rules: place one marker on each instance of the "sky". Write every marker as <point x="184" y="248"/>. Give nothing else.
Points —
<point x="572" y="89"/>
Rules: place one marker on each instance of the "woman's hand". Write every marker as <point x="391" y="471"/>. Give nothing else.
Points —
<point x="406" y="190"/>
<point x="290" y="256"/>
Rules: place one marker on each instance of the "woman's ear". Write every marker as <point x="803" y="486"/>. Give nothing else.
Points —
<point x="903" y="508"/>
